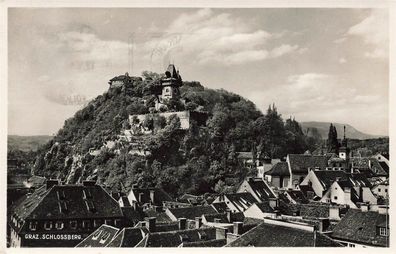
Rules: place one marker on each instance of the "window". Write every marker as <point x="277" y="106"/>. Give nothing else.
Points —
<point x="97" y="223"/>
<point x="86" y="224"/>
<point x="33" y="225"/>
<point x="379" y="190"/>
<point x="48" y="225"/>
<point x="59" y="225"/>
<point x="351" y="245"/>
<point x="383" y="232"/>
<point x="104" y="237"/>
<point x="335" y="197"/>
<point x="96" y="235"/>
<point x="386" y="190"/>
<point x="73" y="224"/>
<point x="117" y="222"/>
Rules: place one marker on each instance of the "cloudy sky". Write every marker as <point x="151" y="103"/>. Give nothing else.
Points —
<point x="314" y="64"/>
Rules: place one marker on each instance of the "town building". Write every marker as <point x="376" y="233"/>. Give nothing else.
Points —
<point x="352" y="192"/>
<point x="148" y="197"/>
<point x="62" y="215"/>
<point x="381" y="189"/>
<point x="259" y="189"/>
<point x="237" y="202"/>
<point x="122" y="80"/>
<point x="280" y="233"/>
<point x="362" y="229"/>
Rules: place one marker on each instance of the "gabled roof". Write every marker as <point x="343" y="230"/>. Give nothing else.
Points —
<point x="327" y="177"/>
<point x="260" y="188"/>
<point x="220" y="207"/>
<point x="192" y="212"/>
<point x="159" y="195"/>
<point x="279" y="169"/>
<point x="265" y="207"/>
<point x="362" y="227"/>
<point x="297" y="196"/>
<point x="175" y="238"/>
<point x="68" y="201"/>
<point x="241" y="201"/>
<point x="301" y="163"/>
<point x="100" y="237"/>
<point x="269" y="235"/>
<point x="131" y="215"/>
<point x="127" y="237"/>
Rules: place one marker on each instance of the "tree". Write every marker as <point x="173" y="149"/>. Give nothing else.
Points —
<point x="332" y="140"/>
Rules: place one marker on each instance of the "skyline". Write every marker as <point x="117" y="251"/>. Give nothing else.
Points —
<point x="312" y="66"/>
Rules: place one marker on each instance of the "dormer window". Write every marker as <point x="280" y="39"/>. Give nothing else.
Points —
<point x="33" y="225"/>
<point x="104" y="237"/>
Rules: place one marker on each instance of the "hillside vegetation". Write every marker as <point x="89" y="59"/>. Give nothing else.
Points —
<point x="199" y="160"/>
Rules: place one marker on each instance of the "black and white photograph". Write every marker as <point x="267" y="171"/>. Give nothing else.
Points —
<point x="196" y="126"/>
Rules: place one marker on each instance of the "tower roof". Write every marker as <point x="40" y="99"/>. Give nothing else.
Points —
<point x="171" y="72"/>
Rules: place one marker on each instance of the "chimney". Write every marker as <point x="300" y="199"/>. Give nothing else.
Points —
<point x="229" y="215"/>
<point x="363" y="207"/>
<point x="274" y="202"/>
<point x="383" y="209"/>
<point x="134" y="205"/>
<point x="134" y="186"/>
<point x="323" y="224"/>
<point x="221" y="233"/>
<point x="151" y="224"/>
<point x="334" y="213"/>
<point x="52" y="182"/>
<point x="238" y="225"/>
<point x="198" y="222"/>
<point x="182" y="223"/>
<point x="217" y="220"/>
<point x="249" y="179"/>
<point x="140" y="199"/>
<point x="152" y="195"/>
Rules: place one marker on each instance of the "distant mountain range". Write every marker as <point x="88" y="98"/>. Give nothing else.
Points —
<point x="351" y="132"/>
<point x="26" y="143"/>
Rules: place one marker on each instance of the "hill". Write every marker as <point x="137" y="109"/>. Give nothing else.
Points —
<point x="323" y="130"/>
<point x="200" y="159"/>
<point x="26" y="143"/>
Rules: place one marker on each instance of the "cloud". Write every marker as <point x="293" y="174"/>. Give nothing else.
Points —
<point x="206" y="37"/>
<point x="374" y="31"/>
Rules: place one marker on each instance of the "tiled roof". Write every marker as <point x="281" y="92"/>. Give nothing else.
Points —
<point x="223" y="217"/>
<point x="131" y="215"/>
<point x="209" y="243"/>
<point x="301" y="163"/>
<point x="192" y="212"/>
<point x="241" y="200"/>
<point x="314" y="210"/>
<point x="327" y="177"/>
<point x="288" y="208"/>
<point x="175" y="238"/>
<point x="384" y="166"/>
<point x="159" y="195"/>
<point x="220" y="207"/>
<point x="298" y="196"/>
<point x="260" y="188"/>
<point x="100" y="237"/>
<point x="36" y="181"/>
<point x="127" y="237"/>
<point x="279" y="169"/>
<point x="69" y="201"/>
<point x="359" y="162"/>
<point x="269" y="235"/>
<point x="265" y="207"/>
<point x="161" y="216"/>
<point x="362" y="227"/>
